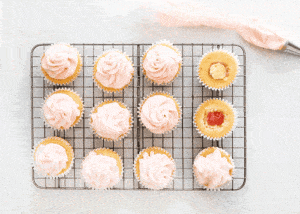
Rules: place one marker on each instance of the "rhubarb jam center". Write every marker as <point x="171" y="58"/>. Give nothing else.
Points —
<point x="215" y="118"/>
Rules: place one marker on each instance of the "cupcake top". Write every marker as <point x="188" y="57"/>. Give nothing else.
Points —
<point x="213" y="169"/>
<point x="113" y="70"/>
<point x="60" y="110"/>
<point x="218" y="69"/>
<point x="60" y="61"/>
<point x="111" y="120"/>
<point x="101" y="171"/>
<point x="162" y="63"/>
<point x="159" y="113"/>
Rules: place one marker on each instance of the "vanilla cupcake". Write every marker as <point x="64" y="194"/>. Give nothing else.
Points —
<point x="102" y="169"/>
<point x="61" y="64"/>
<point x="62" y="109"/>
<point x="154" y="168"/>
<point x="215" y="119"/>
<point x="218" y="69"/>
<point x="111" y="120"/>
<point x="53" y="157"/>
<point x="213" y="168"/>
<point x="162" y="62"/>
<point x="160" y="113"/>
<point x="113" y="71"/>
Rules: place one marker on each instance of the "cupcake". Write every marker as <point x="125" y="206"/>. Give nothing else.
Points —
<point x="218" y="69"/>
<point x="62" y="109"/>
<point x="53" y="157"/>
<point x="111" y="120"/>
<point x="162" y="63"/>
<point x="213" y="168"/>
<point x="113" y="71"/>
<point x="61" y="64"/>
<point x="159" y="112"/>
<point x="215" y="119"/>
<point x="154" y="168"/>
<point x="102" y="169"/>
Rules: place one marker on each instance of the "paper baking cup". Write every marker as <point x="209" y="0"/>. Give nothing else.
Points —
<point x="169" y="45"/>
<point x="69" y="79"/>
<point x="164" y="94"/>
<point x="220" y="137"/>
<point x="99" y="84"/>
<point x="229" y="159"/>
<point x="69" y="150"/>
<point x="107" y="102"/>
<point x="227" y="85"/>
<point x="78" y="101"/>
<point x="109" y="153"/>
<point x="156" y="150"/>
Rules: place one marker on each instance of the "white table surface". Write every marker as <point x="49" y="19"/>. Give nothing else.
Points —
<point x="273" y="106"/>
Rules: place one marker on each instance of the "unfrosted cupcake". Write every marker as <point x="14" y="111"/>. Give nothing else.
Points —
<point x="162" y="62"/>
<point x="102" y="169"/>
<point x="111" y="120"/>
<point x="215" y="119"/>
<point x="213" y="168"/>
<point x="154" y="168"/>
<point x="218" y="69"/>
<point x="159" y="112"/>
<point x="62" y="109"/>
<point x="113" y="71"/>
<point x="61" y="64"/>
<point x="53" y="157"/>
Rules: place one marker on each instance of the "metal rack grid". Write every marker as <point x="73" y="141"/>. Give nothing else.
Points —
<point x="184" y="143"/>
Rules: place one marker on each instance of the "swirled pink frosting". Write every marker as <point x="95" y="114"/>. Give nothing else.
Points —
<point x="159" y="114"/>
<point x="50" y="159"/>
<point x="111" y="121"/>
<point x="161" y="64"/>
<point x="156" y="170"/>
<point x="114" y="70"/>
<point x="60" y="61"/>
<point x="100" y="171"/>
<point x="61" y="111"/>
<point x="212" y="171"/>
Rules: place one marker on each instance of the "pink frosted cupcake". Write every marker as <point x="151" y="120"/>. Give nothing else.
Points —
<point x="162" y="62"/>
<point x="61" y="64"/>
<point x="102" y="169"/>
<point x="111" y="120"/>
<point x="113" y="71"/>
<point x="160" y="113"/>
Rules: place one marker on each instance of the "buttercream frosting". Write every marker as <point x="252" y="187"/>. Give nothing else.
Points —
<point x="100" y="171"/>
<point x="50" y="159"/>
<point x="212" y="171"/>
<point x="114" y="70"/>
<point x="156" y="170"/>
<point x="159" y="114"/>
<point x="161" y="64"/>
<point x="60" y="61"/>
<point x="111" y="121"/>
<point x="61" y="111"/>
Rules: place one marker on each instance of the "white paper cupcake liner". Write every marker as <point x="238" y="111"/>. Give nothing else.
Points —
<point x="80" y="68"/>
<point x="159" y="93"/>
<point x="44" y="174"/>
<point x="42" y="109"/>
<point x="123" y="135"/>
<point x="166" y="42"/>
<point x="107" y="188"/>
<point x="104" y="88"/>
<point x="217" y="138"/>
<point x="137" y="177"/>
<point x="223" y="186"/>
<point x="225" y="87"/>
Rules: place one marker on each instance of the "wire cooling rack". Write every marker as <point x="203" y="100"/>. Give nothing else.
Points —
<point x="184" y="143"/>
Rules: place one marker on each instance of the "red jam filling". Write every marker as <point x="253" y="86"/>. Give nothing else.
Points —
<point x="215" y="118"/>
